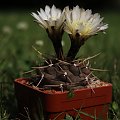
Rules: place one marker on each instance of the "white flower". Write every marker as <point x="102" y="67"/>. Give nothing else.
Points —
<point x="50" y="18"/>
<point x="22" y="25"/>
<point x="7" y="29"/>
<point x="40" y="42"/>
<point x="80" y="24"/>
<point x="83" y="22"/>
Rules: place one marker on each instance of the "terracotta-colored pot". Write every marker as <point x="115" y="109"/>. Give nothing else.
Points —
<point x="54" y="105"/>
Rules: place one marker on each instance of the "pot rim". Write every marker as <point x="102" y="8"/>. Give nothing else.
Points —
<point x="52" y="92"/>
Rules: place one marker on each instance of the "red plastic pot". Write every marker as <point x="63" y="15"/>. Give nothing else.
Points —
<point x="54" y="105"/>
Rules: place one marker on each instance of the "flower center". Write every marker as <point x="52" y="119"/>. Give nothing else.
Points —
<point x="82" y="26"/>
<point x="76" y="24"/>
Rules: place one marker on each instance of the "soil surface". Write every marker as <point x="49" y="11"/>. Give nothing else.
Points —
<point x="62" y="75"/>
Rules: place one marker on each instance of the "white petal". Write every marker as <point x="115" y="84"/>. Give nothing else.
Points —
<point x="43" y="14"/>
<point x="58" y="13"/>
<point x="82" y="14"/>
<point x="104" y="27"/>
<point x="35" y="16"/>
<point x="47" y="11"/>
<point x="88" y="15"/>
<point x="53" y="12"/>
<point x="41" y="22"/>
<point x="75" y="13"/>
<point x="68" y="16"/>
<point x="61" y="20"/>
<point x="96" y="16"/>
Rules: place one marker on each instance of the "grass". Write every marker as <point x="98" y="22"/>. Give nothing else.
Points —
<point x="18" y="33"/>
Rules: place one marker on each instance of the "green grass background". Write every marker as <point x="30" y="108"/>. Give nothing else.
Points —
<point x="17" y="54"/>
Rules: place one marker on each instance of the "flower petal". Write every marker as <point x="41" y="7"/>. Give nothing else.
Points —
<point x="53" y="13"/>
<point x="43" y="14"/>
<point x="39" y="20"/>
<point x="75" y="13"/>
<point x="47" y="11"/>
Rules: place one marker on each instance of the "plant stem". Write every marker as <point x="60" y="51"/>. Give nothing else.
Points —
<point x="76" y="43"/>
<point x="56" y="38"/>
<point x="58" y="49"/>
